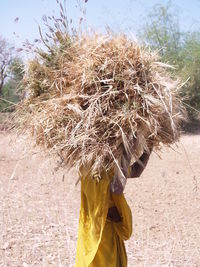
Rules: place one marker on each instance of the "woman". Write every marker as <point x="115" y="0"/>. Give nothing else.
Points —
<point x="105" y="217"/>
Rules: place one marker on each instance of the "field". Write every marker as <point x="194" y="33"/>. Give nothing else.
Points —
<point x="39" y="208"/>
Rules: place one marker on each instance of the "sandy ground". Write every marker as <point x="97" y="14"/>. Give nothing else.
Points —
<point x="39" y="209"/>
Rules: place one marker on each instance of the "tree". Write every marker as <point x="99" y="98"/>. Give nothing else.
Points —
<point x="181" y="49"/>
<point x="13" y="85"/>
<point x="161" y="31"/>
<point x="191" y="71"/>
<point x="5" y="59"/>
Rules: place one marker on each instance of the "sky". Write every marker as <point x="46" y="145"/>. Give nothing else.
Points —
<point x="19" y="19"/>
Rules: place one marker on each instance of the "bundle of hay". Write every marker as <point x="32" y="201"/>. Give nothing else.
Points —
<point x="95" y="96"/>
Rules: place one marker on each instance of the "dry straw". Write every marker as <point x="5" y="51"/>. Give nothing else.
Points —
<point x="92" y="97"/>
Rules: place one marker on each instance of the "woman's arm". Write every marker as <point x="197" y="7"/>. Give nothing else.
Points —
<point x="113" y="215"/>
<point x="134" y="171"/>
<point x="123" y="227"/>
<point x="138" y="167"/>
<point x="120" y="214"/>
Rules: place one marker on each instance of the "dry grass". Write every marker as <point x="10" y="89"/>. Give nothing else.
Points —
<point x="93" y="97"/>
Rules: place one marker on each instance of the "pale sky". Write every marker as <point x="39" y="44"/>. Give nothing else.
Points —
<point x="122" y="15"/>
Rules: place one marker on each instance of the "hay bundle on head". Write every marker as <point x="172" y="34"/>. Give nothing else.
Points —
<point x="98" y="96"/>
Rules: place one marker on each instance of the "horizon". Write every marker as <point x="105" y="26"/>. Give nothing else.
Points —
<point x="19" y="20"/>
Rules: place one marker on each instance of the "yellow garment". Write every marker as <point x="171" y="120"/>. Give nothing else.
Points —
<point x="100" y="241"/>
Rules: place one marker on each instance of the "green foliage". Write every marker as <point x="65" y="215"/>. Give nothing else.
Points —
<point x="191" y="71"/>
<point x="6" y="52"/>
<point x="10" y="97"/>
<point x="182" y="50"/>
<point x="17" y="69"/>
<point x="13" y="86"/>
<point x="161" y="31"/>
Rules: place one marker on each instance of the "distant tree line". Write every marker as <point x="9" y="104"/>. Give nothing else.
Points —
<point x="181" y="49"/>
<point x="11" y="75"/>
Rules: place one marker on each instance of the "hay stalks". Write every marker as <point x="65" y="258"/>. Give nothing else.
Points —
<point x="95" y="96"/>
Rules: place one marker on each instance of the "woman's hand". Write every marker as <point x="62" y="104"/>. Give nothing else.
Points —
<point x="138" y="167"/>
<point x="113" y="215"/>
